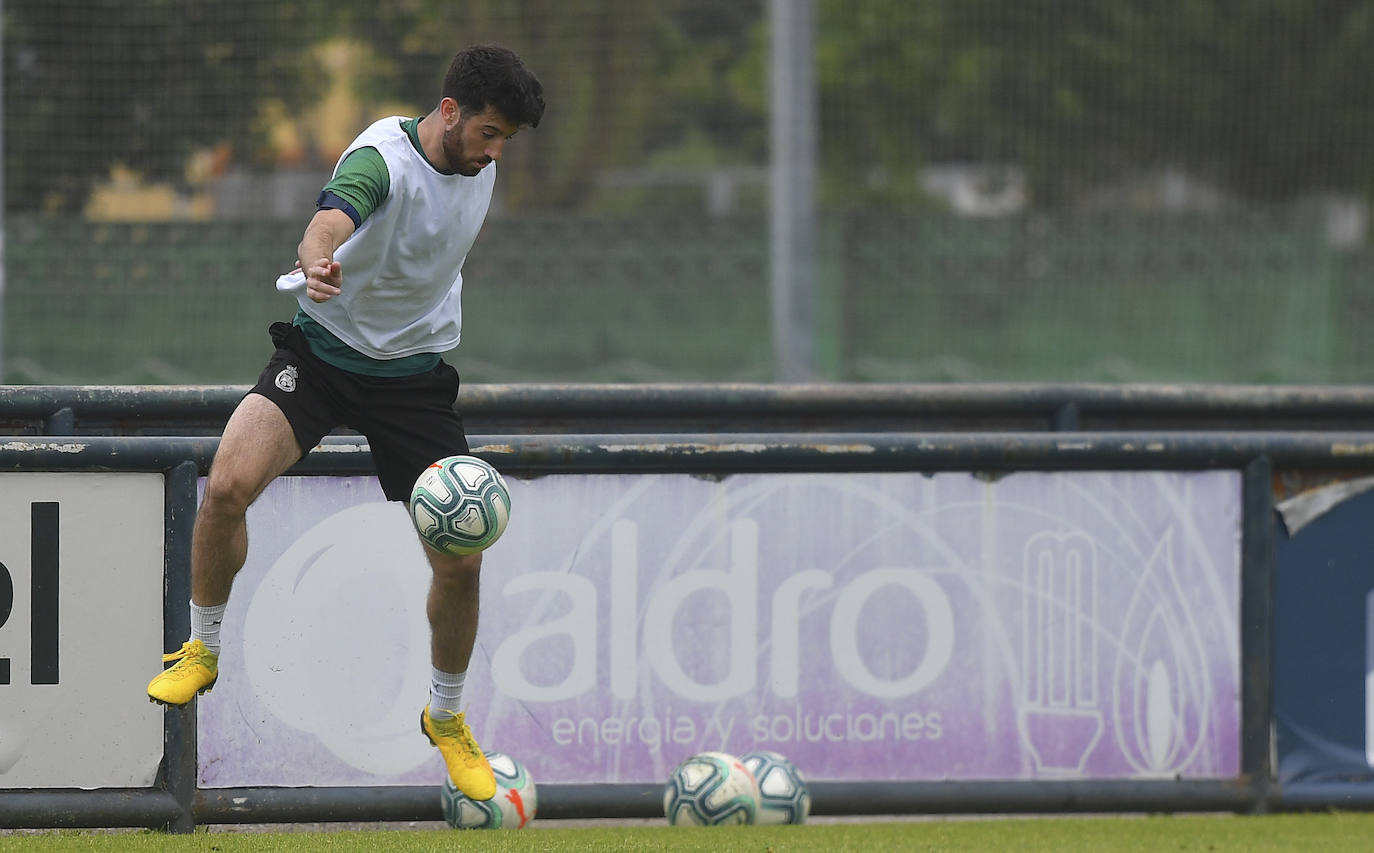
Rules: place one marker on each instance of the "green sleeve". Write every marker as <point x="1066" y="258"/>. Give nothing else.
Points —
<point x="362" y="180"/>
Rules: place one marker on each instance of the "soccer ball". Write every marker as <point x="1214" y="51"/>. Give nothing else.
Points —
<point x="460" y="505"/>
<point x="710" y="789"/>
<point x="514" y="805"/>
<point x="783" y="795"/>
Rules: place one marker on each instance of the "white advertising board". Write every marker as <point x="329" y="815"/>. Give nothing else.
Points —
<point x="869" y="626"/>
<point x="81" y="564"/>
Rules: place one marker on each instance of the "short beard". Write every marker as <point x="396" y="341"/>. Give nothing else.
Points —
<point x="454" y="152"/>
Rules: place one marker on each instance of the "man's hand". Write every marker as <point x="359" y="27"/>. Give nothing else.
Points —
<point x="327" y="231"/>
<point x="323" y="279"/>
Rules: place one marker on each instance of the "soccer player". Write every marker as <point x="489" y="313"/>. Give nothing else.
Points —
<point x="378" y="282"/>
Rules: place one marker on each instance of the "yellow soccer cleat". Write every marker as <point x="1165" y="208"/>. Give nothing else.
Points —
<point x="194" y="672"/>
<point x="467" y="766"/>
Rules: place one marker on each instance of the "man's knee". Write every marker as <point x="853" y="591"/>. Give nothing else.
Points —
<point x="455" y="568"/>
<point x="226" y="494"/>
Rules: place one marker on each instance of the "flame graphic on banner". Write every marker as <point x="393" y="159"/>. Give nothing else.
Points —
<point x="1161" y="692"/>
<point x="1160" y="734"/>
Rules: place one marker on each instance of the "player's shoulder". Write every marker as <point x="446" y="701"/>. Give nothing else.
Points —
<point x="381" y="130"/>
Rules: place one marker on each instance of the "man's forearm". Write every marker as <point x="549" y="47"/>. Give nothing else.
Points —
<point x="327" y="231"/>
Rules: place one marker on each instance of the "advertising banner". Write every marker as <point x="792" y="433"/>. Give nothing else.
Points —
<point x="883" y="626"/>
<point x="1324" y="642"/>
<point x="81" y="564"/>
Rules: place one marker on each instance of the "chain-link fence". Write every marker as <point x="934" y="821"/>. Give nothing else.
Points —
<point x="1006" y="190"/>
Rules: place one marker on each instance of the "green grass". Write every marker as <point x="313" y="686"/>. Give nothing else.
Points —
<point x="1329" y="833"/>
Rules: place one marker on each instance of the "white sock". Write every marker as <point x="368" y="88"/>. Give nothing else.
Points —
<point x="445" y="692"/>
<point x="205" y="622"/>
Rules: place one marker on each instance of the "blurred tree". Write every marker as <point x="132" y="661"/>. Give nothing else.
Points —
<point x="144" y="83"/>
<point x="141" y="83"/>
<point x="628" y="83"/>
<point x="1265" y="97"/>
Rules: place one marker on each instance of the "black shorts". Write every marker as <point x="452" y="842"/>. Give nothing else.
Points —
<point x="409" y="421"/>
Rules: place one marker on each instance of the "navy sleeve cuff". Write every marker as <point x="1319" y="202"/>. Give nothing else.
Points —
<point x="330" y="201"/>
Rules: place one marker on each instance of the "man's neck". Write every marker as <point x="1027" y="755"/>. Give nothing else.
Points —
<point x="430" y="130"/>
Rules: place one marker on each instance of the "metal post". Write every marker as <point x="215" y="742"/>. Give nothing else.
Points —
<point x="1257" y="631"/>
<point x="2" y="192"/>
<point x="793" y="188"/>
<point x="179" y="767"/>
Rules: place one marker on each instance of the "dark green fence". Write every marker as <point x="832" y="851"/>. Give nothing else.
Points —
<point x="1258" y="297"/>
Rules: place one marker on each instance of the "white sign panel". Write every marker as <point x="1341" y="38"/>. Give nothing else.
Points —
<point x="869" y="626"/>
<point x="81" y="559"/>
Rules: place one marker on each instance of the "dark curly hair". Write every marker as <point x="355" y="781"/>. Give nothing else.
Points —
<point x="487" y="75"/>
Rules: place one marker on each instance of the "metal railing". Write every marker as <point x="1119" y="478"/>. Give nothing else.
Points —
<point x="743" y="407"/>
<point x="176" y="803"/>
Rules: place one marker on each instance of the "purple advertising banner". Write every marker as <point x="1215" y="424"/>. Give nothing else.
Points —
<point x="885" y="626"/>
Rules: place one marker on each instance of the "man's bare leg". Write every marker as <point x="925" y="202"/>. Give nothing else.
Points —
<point x="452" y="609"/>
<point x="257" y="446"/>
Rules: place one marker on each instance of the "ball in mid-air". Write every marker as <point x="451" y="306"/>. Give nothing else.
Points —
<point x="460" y="505"/>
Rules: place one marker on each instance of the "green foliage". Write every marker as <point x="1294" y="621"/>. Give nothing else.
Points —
<point x="1265" y="97"/>
<point x="138" y="82"/>
<point x="146" y="82"/>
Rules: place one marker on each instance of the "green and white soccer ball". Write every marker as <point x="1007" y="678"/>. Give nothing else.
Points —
<point x="783" y="795"/>
<point x="710" y="789"/>
<point x="460" y="505"/>
<point x="516" y="800"/>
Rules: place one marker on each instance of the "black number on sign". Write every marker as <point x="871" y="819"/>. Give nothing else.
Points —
<point x="6" y="605"/>
<point x="44" y="593"/>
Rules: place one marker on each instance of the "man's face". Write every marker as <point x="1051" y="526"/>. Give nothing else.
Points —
<point x="476" y="140"/>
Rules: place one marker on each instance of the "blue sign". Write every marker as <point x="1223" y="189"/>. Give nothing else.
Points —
<point x="1323" y="677"/>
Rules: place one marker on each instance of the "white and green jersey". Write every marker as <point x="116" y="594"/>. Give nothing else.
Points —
<point x="402" y="268"/>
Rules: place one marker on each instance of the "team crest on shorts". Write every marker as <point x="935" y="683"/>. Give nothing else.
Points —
<point x="286" y="380"/>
